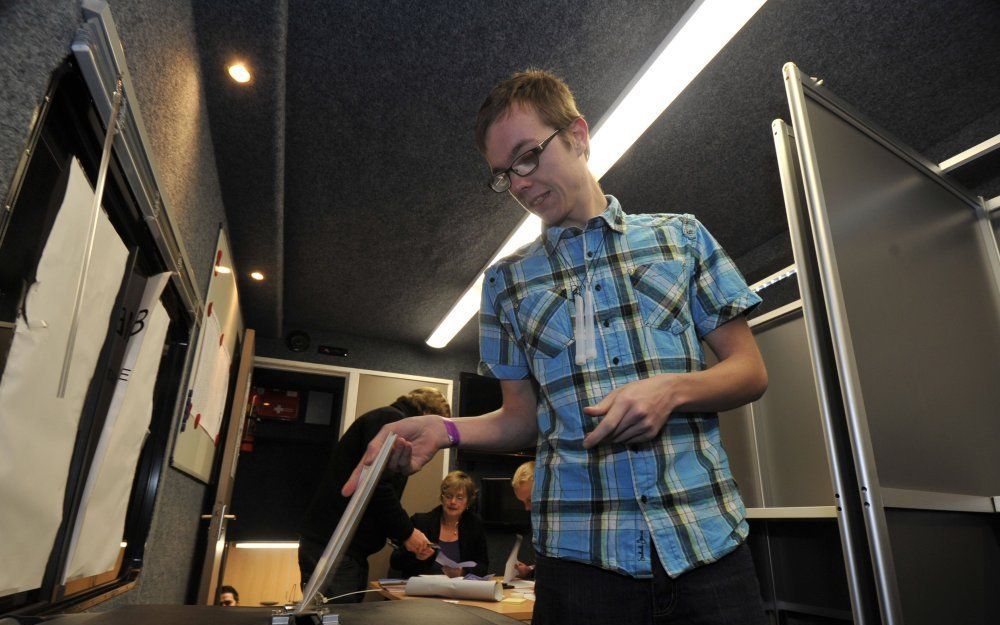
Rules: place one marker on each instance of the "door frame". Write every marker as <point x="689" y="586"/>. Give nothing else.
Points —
<point x="353" y="380"/>
<point x="215" y="548"/>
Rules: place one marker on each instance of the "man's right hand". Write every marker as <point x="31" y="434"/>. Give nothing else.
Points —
<point x="419" y="438"/>
<point x="417" y="543"/>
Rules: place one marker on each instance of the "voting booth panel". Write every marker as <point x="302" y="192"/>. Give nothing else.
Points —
<point x="903" y="275"/>
<point x="778" y="455"/>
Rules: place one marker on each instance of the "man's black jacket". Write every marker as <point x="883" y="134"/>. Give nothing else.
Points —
<point x="385" y="516"/>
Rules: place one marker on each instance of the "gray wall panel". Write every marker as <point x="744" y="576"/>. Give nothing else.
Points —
<point x="796" y="469"/>
<point x="947" y="566"/>
<point x="925" y="323"/>
<point x="787" y="465"/>
<point x="736" y="430"/>
<point x="36" y="36"/>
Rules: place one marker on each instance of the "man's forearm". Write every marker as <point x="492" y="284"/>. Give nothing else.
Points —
<point x="729" y="384"/>
<point x="500" y="430"/>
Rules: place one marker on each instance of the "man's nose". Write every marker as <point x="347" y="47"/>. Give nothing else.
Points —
<point x="518" y="184"/>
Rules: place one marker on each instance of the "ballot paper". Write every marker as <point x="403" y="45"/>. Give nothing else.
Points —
<point x="444" y="560"/>
<point x="348" y="524"/>
<point x="454" y="588"/>
<point x="510" y="570"/>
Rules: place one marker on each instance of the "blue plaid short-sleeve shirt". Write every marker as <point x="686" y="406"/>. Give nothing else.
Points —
<point x="660" y="283"/>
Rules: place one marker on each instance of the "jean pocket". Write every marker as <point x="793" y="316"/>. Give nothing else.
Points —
<point x="546" y="323"/>
<point x="662" y="291"/>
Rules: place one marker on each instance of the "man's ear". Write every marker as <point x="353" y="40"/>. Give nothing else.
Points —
<point x="580" y="132"/>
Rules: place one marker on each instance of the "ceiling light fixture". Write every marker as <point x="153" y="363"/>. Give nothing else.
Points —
<point x="256" y="275"/>
<point x="223" y="269"/>
<point x="239" y="73"/>
<point x="701" y="33"/>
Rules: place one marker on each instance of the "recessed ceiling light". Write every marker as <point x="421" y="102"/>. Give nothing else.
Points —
<point x="223" y="269"/>
<point x="239" y="73"/>
<point x="700" y="34"/>
<point x="256" y="275"/>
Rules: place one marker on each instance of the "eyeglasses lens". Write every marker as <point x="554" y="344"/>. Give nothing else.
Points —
<point x="500" y="182"/>
<point x="525" y="164"/>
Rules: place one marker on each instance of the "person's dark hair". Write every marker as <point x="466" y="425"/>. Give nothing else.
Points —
<point x="224" y="589"/>
<point x="533" y="89"/>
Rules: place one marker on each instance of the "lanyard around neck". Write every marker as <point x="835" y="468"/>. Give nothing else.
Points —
<point x="584" y="328"/>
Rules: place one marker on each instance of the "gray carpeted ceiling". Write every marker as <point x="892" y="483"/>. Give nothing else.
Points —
<point x="350" y="177"/>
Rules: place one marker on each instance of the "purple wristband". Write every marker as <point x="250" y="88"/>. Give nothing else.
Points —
<point x="452" y="430"/>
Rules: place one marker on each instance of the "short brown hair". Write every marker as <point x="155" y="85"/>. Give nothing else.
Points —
<point x="460" y="480"/>
<point x="427" y="400"/>
<point x="535" y="89"/>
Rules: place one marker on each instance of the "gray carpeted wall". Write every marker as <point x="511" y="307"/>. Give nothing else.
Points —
<point x="160" y="48"/>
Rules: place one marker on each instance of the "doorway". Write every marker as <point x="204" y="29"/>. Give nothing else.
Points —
<point x="285" y="450"/>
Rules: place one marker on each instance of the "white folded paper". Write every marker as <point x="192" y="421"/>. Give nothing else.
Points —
<point x="444" y="560"/>
<point x="510" y="570"/>
<point x="454" y="588"/>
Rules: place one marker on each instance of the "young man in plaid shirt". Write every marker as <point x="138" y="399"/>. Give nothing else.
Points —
<point x="595" y="332"/>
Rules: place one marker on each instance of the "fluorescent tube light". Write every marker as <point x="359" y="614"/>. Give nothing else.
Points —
<point x="281" y="545"/>
<point x="468" y="304"/>
<point x="700" y="34"/>
<point x="704" y="30"/>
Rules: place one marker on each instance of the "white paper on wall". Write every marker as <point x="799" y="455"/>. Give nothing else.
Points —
<point x="211" y="381"/>
<point x="95" y="542"/>
<point x="38" y="429"/>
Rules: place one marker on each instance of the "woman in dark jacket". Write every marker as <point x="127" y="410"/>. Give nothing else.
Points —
<point x="453" y="527"/>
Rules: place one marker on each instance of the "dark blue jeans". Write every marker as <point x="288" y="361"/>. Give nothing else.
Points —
<point x="725" y="592"/>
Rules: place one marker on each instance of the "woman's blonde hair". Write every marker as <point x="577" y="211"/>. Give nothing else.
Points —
<point x="525" y="473"/>
<point x="427" y="400"/>
<point x="460" y="480"/>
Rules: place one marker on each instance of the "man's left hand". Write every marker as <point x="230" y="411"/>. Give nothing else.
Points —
<point x="633" y="413"/>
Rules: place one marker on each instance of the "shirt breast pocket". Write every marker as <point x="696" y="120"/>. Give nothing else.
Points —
<point x="662" y="291"/>
<point x="546" y="325"/>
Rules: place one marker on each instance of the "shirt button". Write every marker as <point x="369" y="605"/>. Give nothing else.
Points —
<point x="606" y="323"/>
<point x="597" y="287"/>
<point x="614" y="360"/>
<point x="642" y="499"/>
<point x="590" y="254"/>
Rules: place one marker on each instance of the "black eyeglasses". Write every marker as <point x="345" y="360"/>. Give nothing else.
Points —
<point x="523" y="165"/>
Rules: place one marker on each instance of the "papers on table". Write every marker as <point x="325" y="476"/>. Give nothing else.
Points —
<point x="510" y="570"/>
<point x="454" y="588"/>
<point x="444" y="560"/>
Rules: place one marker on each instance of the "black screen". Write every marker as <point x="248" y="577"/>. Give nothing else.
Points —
<point x="479" y="395"/>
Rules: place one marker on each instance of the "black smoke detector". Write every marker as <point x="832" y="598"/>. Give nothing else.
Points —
<point x="297" y="341"/>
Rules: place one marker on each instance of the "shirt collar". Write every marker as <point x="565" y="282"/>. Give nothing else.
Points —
<point x="613" y="216"/>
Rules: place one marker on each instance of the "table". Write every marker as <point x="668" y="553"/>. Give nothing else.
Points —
<point x="518" y="611"/>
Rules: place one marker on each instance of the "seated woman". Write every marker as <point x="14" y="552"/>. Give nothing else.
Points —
<point x="453" y="527"/>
